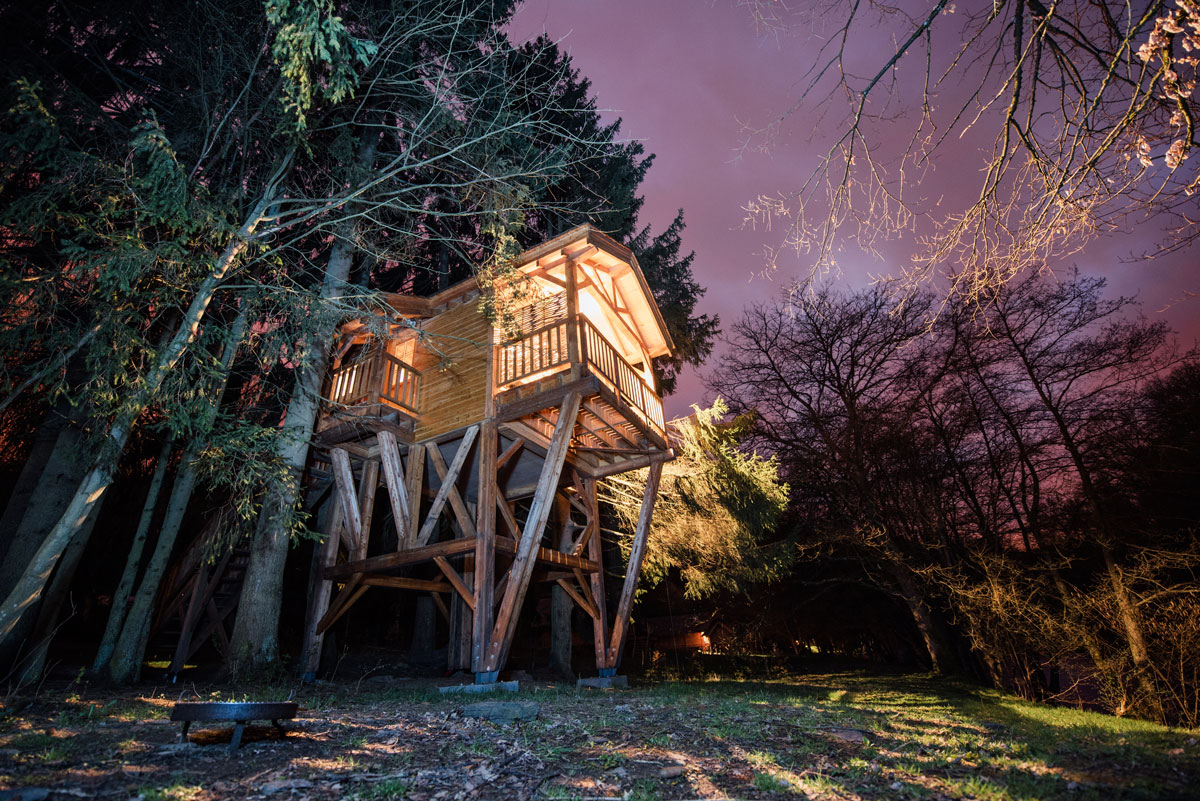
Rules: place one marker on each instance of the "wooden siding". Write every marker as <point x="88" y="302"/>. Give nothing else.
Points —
<point x="453" y="366"/>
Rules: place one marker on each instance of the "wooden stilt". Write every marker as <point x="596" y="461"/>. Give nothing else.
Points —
<point x="539" y="513"/>
<point x="366" y="501"/>
<point x="636" y="553"/>
<point x="343" y="476"/>
<point x="596" y="553"/>
<point x="319" y="592"/>
<point x="485" y="543"/>
<point x="414" y="478"/>
<point x="393" y="476"/>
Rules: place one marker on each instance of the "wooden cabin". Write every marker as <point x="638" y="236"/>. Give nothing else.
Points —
<point x="488" y="439"/>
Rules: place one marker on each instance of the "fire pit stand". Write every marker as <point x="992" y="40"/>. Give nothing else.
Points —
<point x="238" y="713"/>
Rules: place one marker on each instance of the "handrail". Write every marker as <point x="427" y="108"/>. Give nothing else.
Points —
<point x="401" y="384"/>
<point x="377" y="377"/>
<point x="540" y="350"/>
<point x="543" y="351"/>
<point x="621" y="376"/>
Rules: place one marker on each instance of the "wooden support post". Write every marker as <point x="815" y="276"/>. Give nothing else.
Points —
<point x="319" y="592"/>
<point x="448" y="481"/>
<point x="636" y="553"/>
<point x="414" y="478"/>
<point x="366" y="499"/>
<point x="393" y="476"/>
<point x="485" y="544"/>
<point x="596" y="552"/>
<point x="348" y="497"/>
<point x="356" y="531"/>
<point x="539" y="513"/>
<point x="572" y="291"/>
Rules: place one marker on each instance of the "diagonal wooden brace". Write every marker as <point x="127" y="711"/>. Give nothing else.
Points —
<point x="539" y="513"/>
<point x="636" y="554"/>
<point x="448" y="481"/>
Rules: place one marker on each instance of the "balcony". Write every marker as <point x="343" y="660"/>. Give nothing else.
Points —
<point x="376" y="377"/>
<point x="545" y="351"/>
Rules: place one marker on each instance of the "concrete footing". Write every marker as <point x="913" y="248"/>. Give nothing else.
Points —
<point x="476" y="689"/>
<point x="604" y="682"/>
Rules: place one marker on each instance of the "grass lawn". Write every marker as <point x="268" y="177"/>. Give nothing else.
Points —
<point x="839" y="735"/>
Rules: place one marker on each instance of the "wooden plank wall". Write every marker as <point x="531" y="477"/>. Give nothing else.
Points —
<point x="454" y="390"/>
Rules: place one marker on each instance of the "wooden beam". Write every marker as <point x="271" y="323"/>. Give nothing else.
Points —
<point x="636" y="553"/>
<point x="366" y="502"/>
<point x="572" y="320"/>
<point x="403" y="583"/>
<point x="578" y="253"/>
<point x="393" y="477"/>
<point x="409" y="556"/>
<point x="547" y="556"/>
<point x="515" y="409"/>
<point x="632" y="463"/>
<point x="539" y="513"/>
<point x="332" y="615"/>
<point x="509" y="452"/>
<point x="455" y="581"/>
<point x="441" y="606"/>
<point x="448" y="480"/>
<point x="506" y="512"/>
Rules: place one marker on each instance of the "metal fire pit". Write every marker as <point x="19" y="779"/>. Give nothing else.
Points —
<point x="238" y="713"/>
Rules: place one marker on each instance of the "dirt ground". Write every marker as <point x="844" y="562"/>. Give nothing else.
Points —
<point x="839" y="735"/>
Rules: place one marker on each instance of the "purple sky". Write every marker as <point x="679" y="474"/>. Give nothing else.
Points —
<point x="687" y="79"/>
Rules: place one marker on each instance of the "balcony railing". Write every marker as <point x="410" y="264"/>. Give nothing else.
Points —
<point x="378" y="377"/>
<point x="543" y="352"/>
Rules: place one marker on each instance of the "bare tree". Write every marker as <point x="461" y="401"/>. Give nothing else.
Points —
<point x="1078" y="116"/>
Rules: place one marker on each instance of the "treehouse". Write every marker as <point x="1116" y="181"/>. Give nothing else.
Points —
<point x="487" y="438"/>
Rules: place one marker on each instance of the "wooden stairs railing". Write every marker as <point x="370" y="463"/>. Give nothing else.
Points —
<point x="199" y="602"/>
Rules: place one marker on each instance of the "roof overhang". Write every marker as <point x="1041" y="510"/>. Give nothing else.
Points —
<point x="595" y="250"/>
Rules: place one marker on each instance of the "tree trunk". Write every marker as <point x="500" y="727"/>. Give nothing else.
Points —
<point x="424" y="625"/>
<point x="27" y="482"/>
<point x="103" y="467"/>
<point x="124" y="591"/>
<point x="63" y="469"/>
<point x="30" y="666"/>
<point x="941" y="656"/>
<point x="125" y="660"/>
<point x="1131" y="623"/>
<point x="561" y="605"/>
<point x="561" y="610"/>
<point x="255" y="641"/>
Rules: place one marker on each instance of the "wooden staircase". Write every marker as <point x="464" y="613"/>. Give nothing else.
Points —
<point x="199" y="602"/>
